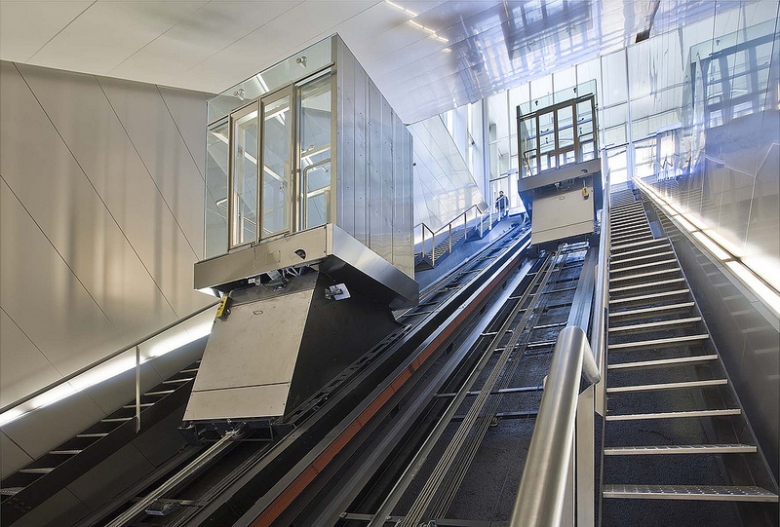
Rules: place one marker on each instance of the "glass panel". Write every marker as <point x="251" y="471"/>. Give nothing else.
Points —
<point x="613" y="72"/>
<point x="245" y="176"/>
<point x="565" y="128"/>
<point x="277" y="183"/>
<point x="280" y="74"/>
<point x="217" y="159"/>
<point x="317" y="181"/>
<point x="315" y="136"/>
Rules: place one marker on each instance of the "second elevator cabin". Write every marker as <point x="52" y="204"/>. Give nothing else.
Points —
<point x="310" y="228"/>
<point x="560" y="170"/>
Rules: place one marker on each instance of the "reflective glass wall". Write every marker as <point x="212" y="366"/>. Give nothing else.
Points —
<point x="693" y="108"/>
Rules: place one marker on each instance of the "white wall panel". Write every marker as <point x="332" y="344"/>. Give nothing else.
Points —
<point x="190" y="124"/>
<point x="102" y="221"/>
<point x="153" y="132"/>
<point x="12" y="458"/>
<point x="66" y="418"/>
<point x="21" y="363"/>
<point x="70" y="212"/>
<point x="43" y="297"/>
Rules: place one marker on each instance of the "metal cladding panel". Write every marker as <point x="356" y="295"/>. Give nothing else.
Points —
<point x="386" y="178"/>
<point x="403" y="257"/>
<point x="374" y="167"/>
<point x="560" y="215"/>
<point x="345" y="81"/>
<point x="241" y="375"/>
<point x="361" y="155"/>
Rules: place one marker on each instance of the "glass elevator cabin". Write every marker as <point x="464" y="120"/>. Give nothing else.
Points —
<point x="560" y="169"/>
<point x="309" y="234"/>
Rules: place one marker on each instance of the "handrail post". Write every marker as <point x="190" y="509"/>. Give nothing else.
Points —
<point x="422" y="244"/>
<point x="137" y="389"/>
<point x="449" y="235"/>
<point x="541" y="496"/>
<point x="433" y="249"/>
<point x="585" y="458"/>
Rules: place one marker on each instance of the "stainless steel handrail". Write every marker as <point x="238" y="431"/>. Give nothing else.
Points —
<point x="423" y="227"/>
<point x="107" y="358"/>
<point x="601" y="295"/>
<point x="540" y="499"/>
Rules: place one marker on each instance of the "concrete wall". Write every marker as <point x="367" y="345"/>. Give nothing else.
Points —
<point x="101" y="203"/>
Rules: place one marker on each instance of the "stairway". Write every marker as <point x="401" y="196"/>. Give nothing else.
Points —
<point x="678" y="449"/>
<point x="30" y="486"/>
<point x="426" y="260"/>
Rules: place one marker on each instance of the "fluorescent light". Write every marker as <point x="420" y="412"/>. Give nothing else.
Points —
<point x="685" y="224"/>
<point x="180" y="339"/>
<point x="756" y="285"/>
<point x="716" y="251"/>
<point x="400" y="8"/>
<point x="415" y="24"/>
<point x="11" y="415"/>
<point x="105" y="371"/>
<point x="112" y="368"/>
<point x="57" y="393"/>
<point x="723" y="242"/>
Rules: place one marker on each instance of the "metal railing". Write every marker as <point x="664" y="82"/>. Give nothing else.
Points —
<point x="547" y="474"/>
<point x="448" y="227"/>
<point x="558" y="483"/>
<point x="135" y="345"/>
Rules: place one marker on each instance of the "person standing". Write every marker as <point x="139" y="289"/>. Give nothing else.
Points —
<point x="502" y="205"/>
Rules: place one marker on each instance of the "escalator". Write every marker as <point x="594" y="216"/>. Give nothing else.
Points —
<point x="31" y="486"/>
<point x="678" y="447"/>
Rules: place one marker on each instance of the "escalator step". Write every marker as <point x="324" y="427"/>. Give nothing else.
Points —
<point x="638" y="258"/>
<point x="661" y="363"/>
<point x="658" y="343"/>
<point x="660" y="242"/>
<point x="689" y="492"/>
<point x="675" y="415"/>
<point x="65" y="452"/>
<point x="642" y="266"/>
<point x="648" y="298"/>
<point x="668" y="386"/>
<point x="651" y="310"/>
<point x="654" y="326"/>
<point x="161" y="392"/>
<point x="647" y="285"/>
<point x="42" y="470"/>
<point x="640" y="276"/>
<point x="11" y="491"/>
<point x="679" y="449"/>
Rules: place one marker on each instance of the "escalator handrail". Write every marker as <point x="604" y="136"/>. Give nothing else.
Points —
<point x="107" y="358"/>
<point x="540" y="499"/>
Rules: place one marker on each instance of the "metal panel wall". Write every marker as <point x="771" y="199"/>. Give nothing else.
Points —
<point x="374" y="166"/>
<point x="102" y="220"/>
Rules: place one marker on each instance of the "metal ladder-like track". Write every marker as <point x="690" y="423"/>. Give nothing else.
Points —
<point x="674" y="430"/>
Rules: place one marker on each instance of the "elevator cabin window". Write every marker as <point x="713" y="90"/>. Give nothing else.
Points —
<point x="295" y="181"/>
<point x="277" y="171"/>
<point x="315" y="151"/>
<point x="244" y="173"/>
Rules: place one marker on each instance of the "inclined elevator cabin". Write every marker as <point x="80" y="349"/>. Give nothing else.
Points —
<point x="320" y="210"/>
